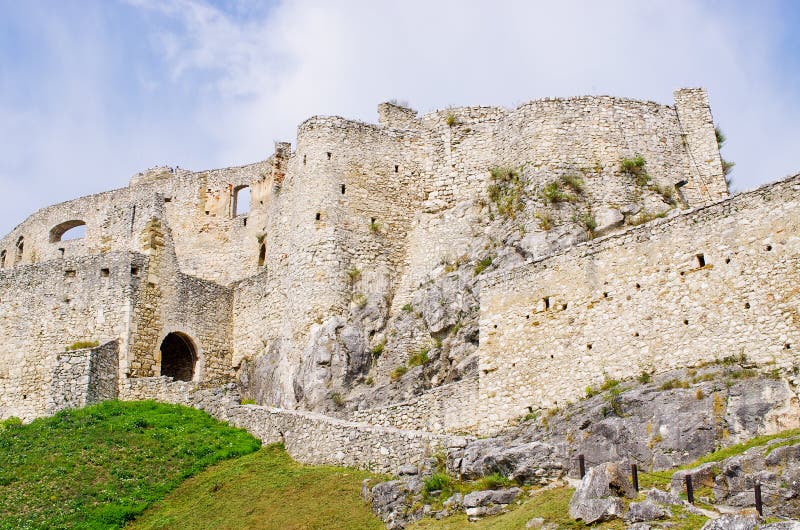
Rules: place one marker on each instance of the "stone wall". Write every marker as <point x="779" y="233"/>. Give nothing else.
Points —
<point x="84" y="377"/>
<point x="710" y="283"/>
<point x="45" y="308"/>
<point x="308" y="437"/>
<point x="443" y="409"/>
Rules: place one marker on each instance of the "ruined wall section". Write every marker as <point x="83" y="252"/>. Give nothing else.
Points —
<point x="211" y="241"/>
<point x="172" y="301"/>
<point x="706" y="180"/>
<point x="335" y="232"/>
<point x="587" y="135"/>
<point x="715" y="282"/>
<point x="84" y="377"/>
<point x="44" y="308"/>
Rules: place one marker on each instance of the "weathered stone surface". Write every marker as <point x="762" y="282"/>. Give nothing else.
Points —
<point x="597" y="510"/>
<point x="607" y="219"/>
<point x="645" y="511"/>
<point x="732" y="522"/>
<point x="486" y="497"/>
<point x="663" y="497"/>
<point x="597" y="498"/>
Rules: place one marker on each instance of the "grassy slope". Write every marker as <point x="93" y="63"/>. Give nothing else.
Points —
<point x="100" y="466"/>
<point x="265" y="490"/>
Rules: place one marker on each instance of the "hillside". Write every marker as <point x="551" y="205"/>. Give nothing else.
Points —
<point x="101" y="466"/>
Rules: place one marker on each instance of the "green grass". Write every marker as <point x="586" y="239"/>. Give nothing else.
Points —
<point x="101" y="466"/>
<point x="662" y="478"/>
<point x="265" y="490"/>
<point x="552" y="505"/>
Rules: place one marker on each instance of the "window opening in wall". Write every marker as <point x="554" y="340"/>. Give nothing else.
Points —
<point x="685" y="322"/>
<point x="396" y="168"/>
<point x="605" y="295"/>
<point x="768" y="248"/>
<point x="588" y="346"/>
<point x="727" y="260"/>
<point x="241" y="200"/>
<point x="701" y="260"/>
<point x="20" y="249"/>
<point x="74" y="229"/>
<point x="69" y="274"/>
<point x="2" y="259"/>
<point x="318" y="216"/>
<point x="178" y="357"/>
<point x="343" y="189"/>
<point x="747" y="305"/>
<point x="104" y="273"/>
<point x="262" y="254"/>
<point x="329" y="155"/>
<point x="304" y="159"/>
<point x="787" y="346"/>
<point x="244" y="221"/>
<point x="167" y="199"/>
<point x="61" y="253"/>
<point x="134" y="271"/>
<point x="546" y="301"/>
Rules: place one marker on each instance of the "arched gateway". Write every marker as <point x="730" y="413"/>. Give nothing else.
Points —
<point x="178" y="357"/>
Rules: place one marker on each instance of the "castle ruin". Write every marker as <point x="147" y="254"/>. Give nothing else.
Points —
<point x="403" y="282"/>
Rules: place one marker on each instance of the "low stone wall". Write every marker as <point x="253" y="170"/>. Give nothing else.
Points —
<point x="83" y="377"/>
<point x="317" y="439"/>
<point x="309" y="438"/>
<point x="439" y="410"/>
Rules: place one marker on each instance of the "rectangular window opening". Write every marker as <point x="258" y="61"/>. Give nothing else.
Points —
<point x="701" y="260"/>
<point x="104" y="273"/>
<point x="546" y="301"/>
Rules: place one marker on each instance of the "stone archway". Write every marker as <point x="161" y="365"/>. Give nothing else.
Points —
<point x="178" y="357"/>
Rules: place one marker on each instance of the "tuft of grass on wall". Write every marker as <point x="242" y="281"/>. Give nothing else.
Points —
<point x="82" y="344"/>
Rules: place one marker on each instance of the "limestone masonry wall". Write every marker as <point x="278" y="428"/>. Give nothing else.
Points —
<point x="308" y="437"/>
<point x="444" y="408"/>
<point x="83" y="377"/>
<point x="715" y="282"/>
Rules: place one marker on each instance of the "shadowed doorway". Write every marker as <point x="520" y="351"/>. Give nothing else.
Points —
<point x="178" y="357"/>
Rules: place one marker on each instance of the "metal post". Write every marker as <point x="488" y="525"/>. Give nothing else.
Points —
<point x="581" y="466"/>
<point x="635" y="475"/>
<point x="689" y="489"/>
<point x="759" y="506"/>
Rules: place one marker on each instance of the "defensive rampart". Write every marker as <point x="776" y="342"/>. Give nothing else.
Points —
<point x="718" y="281"/>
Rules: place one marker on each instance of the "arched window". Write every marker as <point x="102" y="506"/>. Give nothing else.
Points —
<point x="178" y="357"/>
<point x="241" y="200"/>
<point x="20" y="249"/>
<point x="262" y="254"/>
<point x="2" y="259"/>
<point x="74" y="229"/>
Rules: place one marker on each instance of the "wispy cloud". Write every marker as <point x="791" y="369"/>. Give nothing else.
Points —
<point x="208" y="85"/>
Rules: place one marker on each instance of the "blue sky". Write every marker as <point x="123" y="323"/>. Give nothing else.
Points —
<point x="93" y="91"/>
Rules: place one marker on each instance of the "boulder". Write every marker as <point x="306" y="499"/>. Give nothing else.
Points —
<point x="646" y="511"/>
<point x="597" y="498"/>
<point x="486" y="497"/>
<point x="597" y="510"/>
<point x="732" y="522"/>
<point x="702" y="475"/>
<point x="663" y="497"/>
<point x="488" y="502"/>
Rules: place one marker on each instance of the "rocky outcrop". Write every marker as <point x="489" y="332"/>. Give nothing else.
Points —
<point x="671" y="420"/>
<point x="598" y="497"/>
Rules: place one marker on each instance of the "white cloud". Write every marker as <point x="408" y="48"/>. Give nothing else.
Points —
<point x="248" y="76"/>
